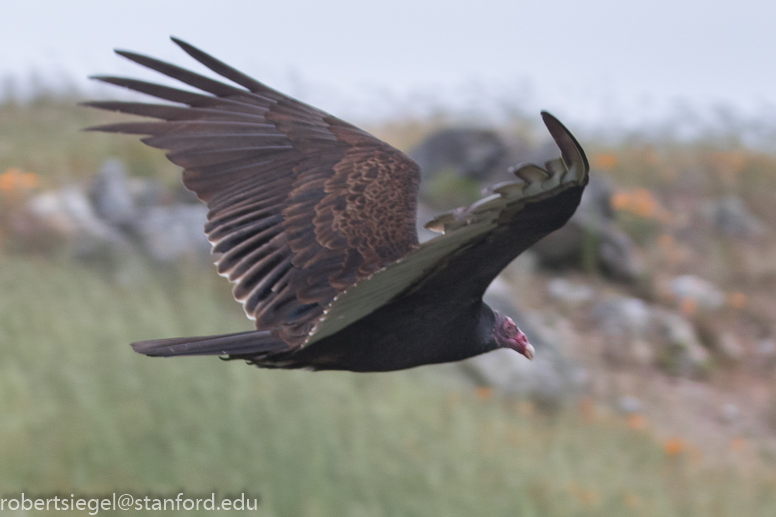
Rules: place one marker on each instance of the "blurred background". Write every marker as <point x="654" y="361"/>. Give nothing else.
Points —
<point x="653" y="312"/>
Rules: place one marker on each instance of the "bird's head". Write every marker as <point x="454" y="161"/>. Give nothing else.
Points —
<point x="508" y="335"/>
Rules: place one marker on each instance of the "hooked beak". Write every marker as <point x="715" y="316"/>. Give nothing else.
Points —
<point x="523" y="346"/>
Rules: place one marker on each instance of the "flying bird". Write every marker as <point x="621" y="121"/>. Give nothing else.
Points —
<point x="313" y="221"/>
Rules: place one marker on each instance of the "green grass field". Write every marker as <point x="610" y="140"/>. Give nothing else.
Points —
<point x="83" y="414"/>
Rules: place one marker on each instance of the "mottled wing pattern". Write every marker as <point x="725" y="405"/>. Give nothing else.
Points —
<point x="477" y="242"/>
<point x="301" y="204"/>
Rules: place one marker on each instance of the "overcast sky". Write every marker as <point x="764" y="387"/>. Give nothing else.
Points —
<point x="585" y="60"/>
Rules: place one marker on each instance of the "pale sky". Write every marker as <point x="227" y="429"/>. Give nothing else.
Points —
<point x="587" y="61"/>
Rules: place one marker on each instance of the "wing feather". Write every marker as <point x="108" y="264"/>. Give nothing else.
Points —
<point x="301" y="205"/>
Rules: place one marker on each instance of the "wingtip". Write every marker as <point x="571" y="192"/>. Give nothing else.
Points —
<point x="553" y="124"/>
<point x="123" y="53"/>
<point x="182" y="44"/>
<point x="109" y="79"/>
<point x="547" y="115"/>
<point x="569" y="146"/>
<point x="187" y="47"/>
<point x="145" y="348"/>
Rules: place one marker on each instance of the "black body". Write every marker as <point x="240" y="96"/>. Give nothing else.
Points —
<point x="313" y="220"/>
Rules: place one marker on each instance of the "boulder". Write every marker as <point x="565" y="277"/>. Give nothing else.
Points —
<point x="110" y="195"/>
<point x="732" y="217"/>
<point x="682" y="352"/>
<point x="549" y="379"/>
<point x="68" y="213"/>
<point x="629" y="404"/>
<point x="457" y="163"/>
<point x="170" y="233"/>
<point x="639" y="333"/>
<point x="729" y="347"/>
<point x="591" y="239"/>
<point x="464" y="152"/>
<point x="705" y="294"/>
<point x="623" y="316"/>
<point x="569" y="292"/>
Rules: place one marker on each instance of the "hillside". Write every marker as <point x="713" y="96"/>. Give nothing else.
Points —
<point x="653" y="426"/>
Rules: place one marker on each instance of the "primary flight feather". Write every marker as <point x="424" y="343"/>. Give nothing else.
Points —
<point x="313" y="221"/>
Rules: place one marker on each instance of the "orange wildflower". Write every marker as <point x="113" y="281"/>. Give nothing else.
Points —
<point x="14" y="179"/>
<point x="584" y="495"/>
<point x="730" y="164"/>
<point x="588" y="496"/>
<point x="632" y="500"/>
<point x="688" y="306"/>
<point x="674" y="446"/>
<point x="640" y="202"/>
<point x="637" y="422"/>
<point x="737" y="300"/>
<point x="605" y="161"/>
<point x="737" y="444"/>
<point x="587" y="408"/>
<point x="484" y="393"/>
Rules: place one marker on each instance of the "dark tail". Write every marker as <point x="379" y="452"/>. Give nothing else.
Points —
<point x="252" y="342"/>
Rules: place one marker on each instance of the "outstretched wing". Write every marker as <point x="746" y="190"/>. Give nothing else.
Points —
<point x="302" y="205"/>
<point x="478" y="241"/>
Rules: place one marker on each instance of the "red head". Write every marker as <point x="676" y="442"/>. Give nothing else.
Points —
<point x="508" y="335"/>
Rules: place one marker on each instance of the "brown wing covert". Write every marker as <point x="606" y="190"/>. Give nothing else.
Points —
<point x="301" y="204"/>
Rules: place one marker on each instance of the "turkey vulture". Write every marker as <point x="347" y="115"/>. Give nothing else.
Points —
<point x="313" y="221"/>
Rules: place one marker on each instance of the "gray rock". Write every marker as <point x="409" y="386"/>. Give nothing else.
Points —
<point x="623" y="316"/>
<point x="68" y="213"/>
<point x="682" y="352"/>
<point x="591" y="238"/>
<point x="456" y="163"/>
<point x="732" y="217"/>
<point x="731" y="413"/>
<point x="148" y="192"/>
<point x="730" y="347"/>
<point x="110" y="194"/>
<point x="570" y="293"/>
<point x="469" y="153"/>
<point x="766" y="352"/>
<point x="702" y="291"/>
<point x="642" y="333"/>
<point x="767" y="348"/>
<point x="617" y="255"/>
<point x="550" y="378"/>
<point x="169" y="233"/>
<point x="629" y="404"/>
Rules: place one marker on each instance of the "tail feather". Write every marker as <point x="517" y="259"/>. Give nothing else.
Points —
<point x="239" y="343"/>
